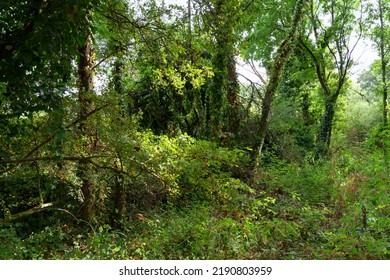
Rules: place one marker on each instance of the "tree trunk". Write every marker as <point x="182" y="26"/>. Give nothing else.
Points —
<point x="223" y="92"/>
<point x="283" y="53"/>
<point x="233" y="96"/>
<point x="326" y="128"/>
<point x="85" y="75"/>
<point x="216" y="92"/>
<point x="120" y="193"/>
<point x="306" y="109"/>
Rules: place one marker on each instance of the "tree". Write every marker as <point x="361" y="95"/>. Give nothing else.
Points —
<point x="332" y="24"/>
<point x="88" y="133"/>
<point x="379" y="24"/>
<point x="37" y="46"/>
<point x="225" y="84"/>
<point x="379" y="32"/>
<point x="281" y="57"/>
<point x="383" y="45"/>
<point x="261" y="37"/>
<point x="220" y="20"/>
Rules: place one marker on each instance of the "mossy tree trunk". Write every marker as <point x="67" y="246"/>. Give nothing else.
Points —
<point x="222" y="102"/>
<point x="282" y="55"/>
<point x="86" y="130"/>
<point x="325" y="134"/>
<point x="120" y="192"/>
<point x="233" y="90"/>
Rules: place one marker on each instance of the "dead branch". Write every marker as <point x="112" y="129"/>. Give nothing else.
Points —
<point x="26" y="213"/>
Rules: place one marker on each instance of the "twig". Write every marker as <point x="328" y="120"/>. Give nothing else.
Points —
<point x="74" y="217"/>
<point x="362" y="95"/>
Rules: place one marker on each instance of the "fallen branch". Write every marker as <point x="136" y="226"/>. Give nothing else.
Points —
<point x="26" y="213"/>
<point x="40" y="208"/>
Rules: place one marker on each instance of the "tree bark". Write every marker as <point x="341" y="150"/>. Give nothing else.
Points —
<point x="326" y="128"/>
<point x="85" y="75"/>
<point x="120" y="192"/>
<point x="233" y="96"/>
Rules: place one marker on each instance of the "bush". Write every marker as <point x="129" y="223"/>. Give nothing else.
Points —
<point x="312" y="183"/>
<point x="9" y="244"/>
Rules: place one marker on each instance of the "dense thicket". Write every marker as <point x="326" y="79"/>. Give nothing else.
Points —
<point x="127" y="130"/>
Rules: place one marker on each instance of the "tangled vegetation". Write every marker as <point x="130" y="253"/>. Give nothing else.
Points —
<point x="130" y="136"/>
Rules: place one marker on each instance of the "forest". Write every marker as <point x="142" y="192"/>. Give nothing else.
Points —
<point x="129" y="129"/>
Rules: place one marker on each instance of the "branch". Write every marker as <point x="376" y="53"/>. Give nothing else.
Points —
<point x="69" y="158"/>
<point x="254" y="84"/>
<point x="317" y="65"/>
<point x="118" y="49"/>
<point x="26" y="213"/>
<point x="37" y="209"/>
<point x="74" y="217"/>
<point x="143" y="166"/>
<point x="361" y="95"/>
<point x="257" y="73"/>
<point x="248" y="5"/>
<point x="48" y="139"/>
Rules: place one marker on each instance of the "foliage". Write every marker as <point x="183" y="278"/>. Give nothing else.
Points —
<point x="9" y="242"/>
<point x="307" y="182"/>
<point x="161" y="144"/>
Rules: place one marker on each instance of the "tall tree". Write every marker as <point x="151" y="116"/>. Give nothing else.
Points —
<point x="44" y="40"/>
<point x="222" y="101"/>
<point x="330" y="44"/>
<point x="37" y="46"/>
<point x="87" y="130"/>
<point x="380" y="33"/>
<point x="281" y="57"/>
<point x="381" y="38"/>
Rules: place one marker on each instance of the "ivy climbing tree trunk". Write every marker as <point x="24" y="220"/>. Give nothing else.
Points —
<point x="217" y="90"/>
<point x="233" y="89"/>
<point x="331" y="53"/>
<point x="326" y="125"/>
<point x="222" y="103"/>
<point x="282" y="55"/>
<point x="87" y="131"/>
<point x="120" y="192"/>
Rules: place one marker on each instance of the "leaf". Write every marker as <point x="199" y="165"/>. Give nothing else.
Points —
<point x="4" y="155"/>
<point x="116" y="249"/>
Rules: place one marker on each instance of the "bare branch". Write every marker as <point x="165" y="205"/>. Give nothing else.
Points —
<point x="26" y="213"/>
<point x="361" y="95"/>
<point x="74" y="217"/>
<point x="257" y="73"/>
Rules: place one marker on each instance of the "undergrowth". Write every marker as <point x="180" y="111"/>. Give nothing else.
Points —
<point x="335" y="209"/>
